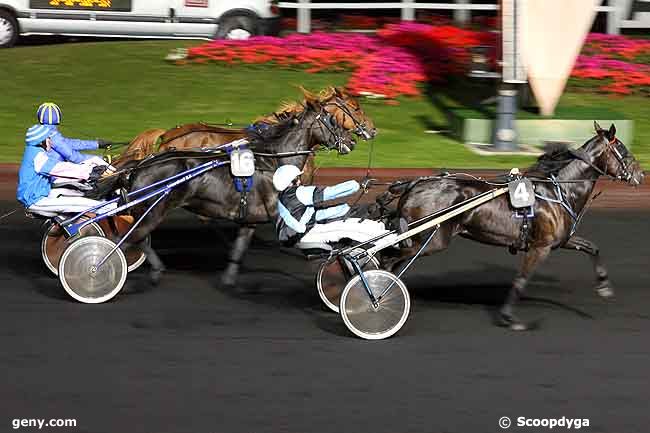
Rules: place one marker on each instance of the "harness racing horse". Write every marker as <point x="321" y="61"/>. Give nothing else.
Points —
<point x="563" y="182"/>
<point x="213" y="195"/>
<point x="344" y="107"/>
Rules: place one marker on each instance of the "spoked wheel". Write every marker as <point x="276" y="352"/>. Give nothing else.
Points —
<point x="375" y="322"/>
<point x="334" y="274"/>
<point x="54" y="243"/>
<point x="81" y="277"/>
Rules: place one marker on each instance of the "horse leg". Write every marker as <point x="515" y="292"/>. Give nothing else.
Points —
<point x="576" y="243"/>
<point x="439" y="242"/>
<point x="139" y="235"/>
<point x="244" y="236"/>
<point x="157" y="265"/>
<point x="531" y="260"/>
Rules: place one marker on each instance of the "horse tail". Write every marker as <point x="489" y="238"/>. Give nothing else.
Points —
<point x="141" y="146"/>
<point x="395" y="191"/>
<point x="399" y="187"/>
<point x="106" y="186"/>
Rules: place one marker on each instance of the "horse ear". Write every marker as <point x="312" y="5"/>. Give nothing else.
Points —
<point x="611" y="134"/>
<point x="597" y="127"/>
<point x="309" y="96"/>
<point x="311" y="101"/>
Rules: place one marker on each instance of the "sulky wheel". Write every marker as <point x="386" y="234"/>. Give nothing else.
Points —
<point x="334" y="274"/>
<point x="81" y="277"/>
<point x="370" y="322"/>
<point x="54" y="243"/>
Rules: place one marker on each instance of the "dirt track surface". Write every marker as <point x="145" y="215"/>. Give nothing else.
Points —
<point x="616" y="195"/>
<point x="191" y="356"/>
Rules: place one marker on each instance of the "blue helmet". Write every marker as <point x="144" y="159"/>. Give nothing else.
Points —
<point x="37" y="133"/>
<point x="48" y="113"/>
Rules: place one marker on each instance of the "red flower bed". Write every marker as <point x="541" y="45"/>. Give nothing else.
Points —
<point x="614" y="64"/>
<point x="401" y="57"/>
<point x="393" y="62"/>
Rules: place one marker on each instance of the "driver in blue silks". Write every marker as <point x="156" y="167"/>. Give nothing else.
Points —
<point x="67" y="149"/>
<point x="303" y="215"/>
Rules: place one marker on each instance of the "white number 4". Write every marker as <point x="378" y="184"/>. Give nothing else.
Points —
<point x="521" y="193"/>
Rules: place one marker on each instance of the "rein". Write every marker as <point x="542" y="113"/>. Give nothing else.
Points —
<point x="11" y="212"/>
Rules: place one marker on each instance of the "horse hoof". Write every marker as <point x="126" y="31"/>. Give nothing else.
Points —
<point x="605" y="291"/>
<point x="507" y="320"/>
<point x="504" y="319"/>
<point x="228" y="281"/>
<point x="518" y="326"/>
<point x="154" y="276"/>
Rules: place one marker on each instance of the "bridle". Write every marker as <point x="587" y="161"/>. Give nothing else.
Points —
<point x="621" y="153"/>
<point x="360" y="128"/>
<point x="329" y="123"/>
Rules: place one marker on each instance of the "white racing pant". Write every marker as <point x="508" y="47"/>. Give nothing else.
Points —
<point x="351" y="228"/>
<point x="64" y="200"/>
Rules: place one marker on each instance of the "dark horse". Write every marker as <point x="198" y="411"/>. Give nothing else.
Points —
<point x="213" y="194"/>
<point x="564" y="175"/>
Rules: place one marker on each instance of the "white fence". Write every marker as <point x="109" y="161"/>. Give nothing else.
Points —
<point x="462" y="10"/>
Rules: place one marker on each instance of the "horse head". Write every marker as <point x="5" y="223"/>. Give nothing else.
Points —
<point x="614" y="158"/>
<point x="346" y="109"/>
<point x="325" y="128"/>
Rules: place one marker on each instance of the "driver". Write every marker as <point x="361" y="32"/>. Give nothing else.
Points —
<point x="68" y="149"/>
<point x="42" y="166"/>
<point x="303" y="215"/>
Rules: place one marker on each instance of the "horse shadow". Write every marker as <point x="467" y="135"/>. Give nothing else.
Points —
<point x="29" y="268"/>
<point x="487" y="287"/>
<point x="206" y="247"/>
<point x="285" y="290"/>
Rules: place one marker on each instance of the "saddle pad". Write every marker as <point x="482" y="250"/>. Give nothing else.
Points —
<point x="522" y="193"/>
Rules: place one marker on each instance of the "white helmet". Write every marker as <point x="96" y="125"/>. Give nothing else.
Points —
<point x="284" y="175"/>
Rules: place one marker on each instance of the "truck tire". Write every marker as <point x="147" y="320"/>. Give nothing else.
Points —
<point x="237" y="27"/>
<point x="8" y="29"/>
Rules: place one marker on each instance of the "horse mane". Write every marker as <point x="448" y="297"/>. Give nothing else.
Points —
<point x="292" y="108"/>
<point x="556" y="156"/>
<point x="284" y="111"/>
<point x="272" y="131"/>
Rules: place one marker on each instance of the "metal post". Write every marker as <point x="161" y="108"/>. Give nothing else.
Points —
<point x="462" y="16"/>
<point x="304" y="18"/>
<point x="408" y="13"/>
<point x="505" y="134"/>
<point x="613" y="17"/>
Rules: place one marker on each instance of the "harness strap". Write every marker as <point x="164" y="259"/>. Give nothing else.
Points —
<point x="583" y="156"/>
<point x="561" y="200"/>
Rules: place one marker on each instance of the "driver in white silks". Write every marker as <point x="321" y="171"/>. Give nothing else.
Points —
<point x="304" y="217"/>
<point x="42" y="167"/>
